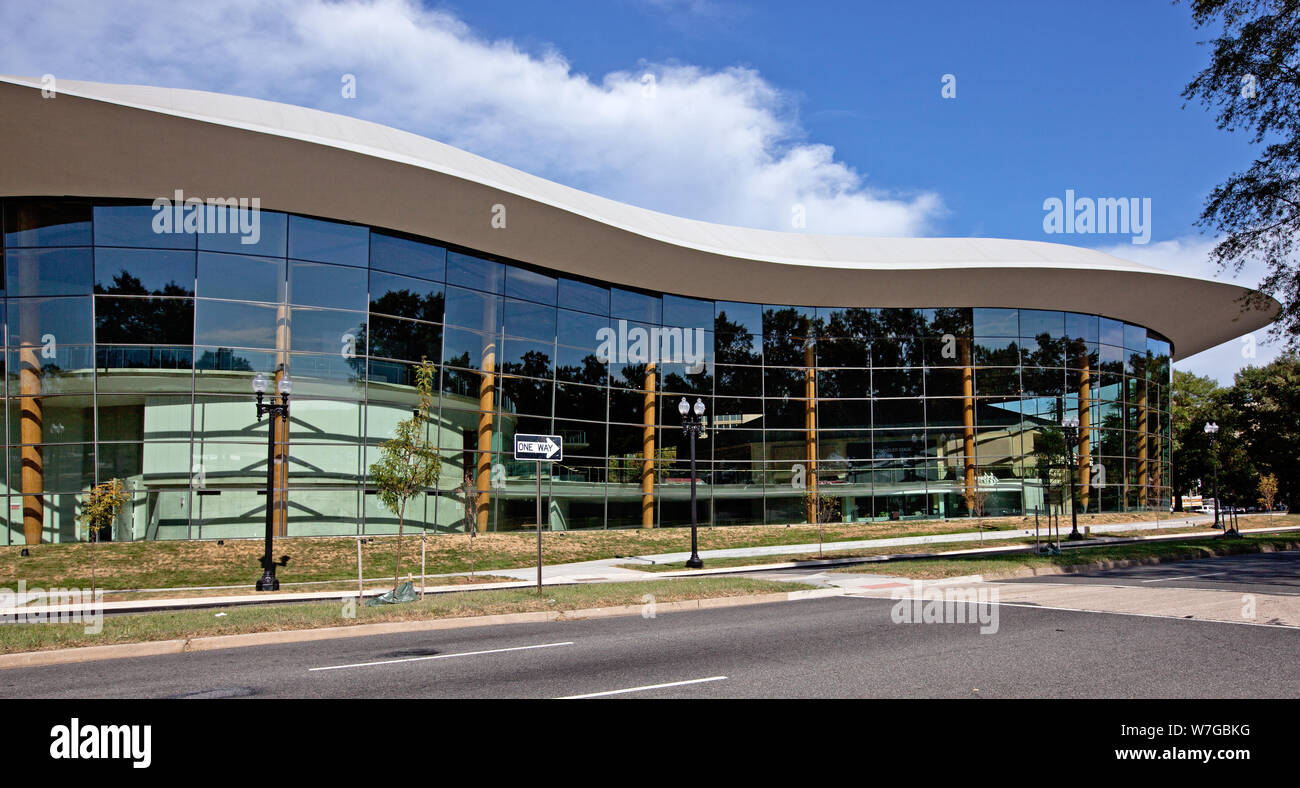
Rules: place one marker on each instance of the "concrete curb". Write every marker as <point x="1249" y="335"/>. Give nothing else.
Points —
<point x="155" y="648"/>
<point x="1123" y="563"/>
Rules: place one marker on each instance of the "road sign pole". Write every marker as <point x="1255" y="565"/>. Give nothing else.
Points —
<point x="539" y="527"/>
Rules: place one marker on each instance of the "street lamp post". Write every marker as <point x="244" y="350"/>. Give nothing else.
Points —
<point x="1212" y="431"/>
<point x="693" y="427"/>
<point x="268" y="581"/>
<point x="1071" y="427"/>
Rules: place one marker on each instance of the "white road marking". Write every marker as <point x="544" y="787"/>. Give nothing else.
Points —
<point x="1035" y="606"/>
<point x="1182" y="577"/>
<point x="641" y="689"/>
<point x="444" y="656"/>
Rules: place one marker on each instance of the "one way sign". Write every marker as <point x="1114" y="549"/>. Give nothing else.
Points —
<point x="543" y="448"/>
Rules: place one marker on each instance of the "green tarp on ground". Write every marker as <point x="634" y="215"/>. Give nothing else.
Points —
<point x="404" y="593"/>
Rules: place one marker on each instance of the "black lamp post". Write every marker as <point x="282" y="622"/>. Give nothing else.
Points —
<point x="693" y="427"/>
<point x="1071" y="427"/>
<point x="1212" y="431"/>
<point x="268" y="581"/>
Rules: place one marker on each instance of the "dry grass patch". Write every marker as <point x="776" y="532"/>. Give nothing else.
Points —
<point x="172" y="625"/>
<point x="130" y="565"/>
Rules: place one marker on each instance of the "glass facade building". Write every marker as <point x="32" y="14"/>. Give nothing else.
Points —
<point x="129" y="353"/>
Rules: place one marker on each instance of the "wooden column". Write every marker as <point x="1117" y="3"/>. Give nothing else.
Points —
<point x="810" y="424"/>
<point x="486" y="404"/>
<point x="648" y="416"/>
<point x="967" y="418"/>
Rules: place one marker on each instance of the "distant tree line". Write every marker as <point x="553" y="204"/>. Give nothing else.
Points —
<point x="1259" y="433"/>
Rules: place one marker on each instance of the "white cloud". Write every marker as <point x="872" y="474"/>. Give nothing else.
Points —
<point x="721" y="146"/>
<point x="1191" y="255"/>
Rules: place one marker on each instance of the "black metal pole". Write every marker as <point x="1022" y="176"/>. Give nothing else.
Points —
<point x="268" y="581"/>
<point x="1072" y="438"/>
<point x="694" y="562"/>
<point x="1217" y="521"/>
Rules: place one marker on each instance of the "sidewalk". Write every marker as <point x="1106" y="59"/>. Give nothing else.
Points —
<point x="606" y="570"/>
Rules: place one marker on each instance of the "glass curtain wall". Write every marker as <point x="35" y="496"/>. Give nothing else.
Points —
<point x="130" y="352"/>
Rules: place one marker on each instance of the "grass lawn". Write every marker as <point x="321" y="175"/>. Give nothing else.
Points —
<point x="142" y="627"/>
<point x="342" y="586"/>
<point x="128" y="565"/>
<point x="1009" y="565"/>
<point x="716" y="563"/>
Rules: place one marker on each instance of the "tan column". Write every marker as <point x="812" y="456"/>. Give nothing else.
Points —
<point x="486" y="404"/>
<point x="810" y="424"/>
<point x="648" y="415"/>
<point x="31" y="432"/>
<point x="1085" y="431"/>
<point x="968" y="417"/>
<point x="1142" y="442"/>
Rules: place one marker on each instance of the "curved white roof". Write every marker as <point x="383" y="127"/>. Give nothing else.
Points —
<point x="96" y="139"/>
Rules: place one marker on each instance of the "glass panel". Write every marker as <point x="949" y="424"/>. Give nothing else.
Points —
<point x="739" y="317"/>
<point x="990" y="351"/>
<point x="529" y="320"/>
<point x="472" y="309"/>
<point x="48" y="272"/>
<point x="580" y="365"/>
<point x="1081" y="327"/>
<point x="530" y="285"/>
<point x="688" y="312"/>
<point x="405" y="339"/>
<point x="1112" y="332"/>
<point x="267" y="237"/>
<point x="47" y="222"/>
<point x="133" y="225"/>
<point x="241" y="278"/>
<point x="50" y="320"/>
<point x="996" y="322"/>
<point x="1135" y="337"/>
<point x="844" y="352"/>
<point x="739" y="381"/>
<point x="897" y="382"/>
<point x="315" y="284"/>
<point x="631" y="305"/>
<point x="957" y="321"/>
<point x="584" y="297"/>
<point x="327" y="330"/>
<point x="526" y="357"/>
<point x="403" y="296"/>
<point x="475" y="272"/>
<point x="844" y="383"/>
<point x="144" y="321"/>
<point x="328" y="242"/>
<point x="579" y="329"/>
<point x="409" y="257"/>
<point x="467" y="349"/>
<point x="230" y="324"/>
<point x="846" y="322"/>
<point x="144" y="272"/>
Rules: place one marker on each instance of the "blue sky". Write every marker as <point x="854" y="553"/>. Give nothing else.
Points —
<point x="1049" y="95"/>
<point x="836" y="107"/>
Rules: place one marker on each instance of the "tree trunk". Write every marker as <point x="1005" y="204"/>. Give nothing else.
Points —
<point x="397" y="564"/>
<point x="94" y="533"/>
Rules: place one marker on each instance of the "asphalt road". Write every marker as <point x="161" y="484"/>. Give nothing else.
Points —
<point x="831" y="647"/>
<point x="1259" y="573"/>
